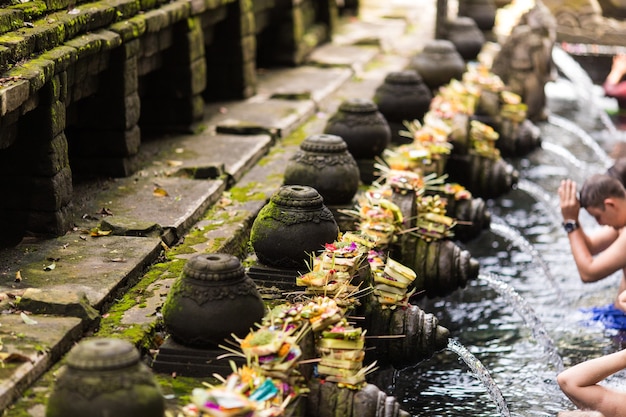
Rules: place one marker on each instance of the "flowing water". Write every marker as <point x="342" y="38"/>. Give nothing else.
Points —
<point x="537" y="285"/>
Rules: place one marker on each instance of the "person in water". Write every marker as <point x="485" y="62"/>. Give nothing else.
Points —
<point x="599" y="254"/>
<point x="581" y="385"/>
<point x="613" y="85"/>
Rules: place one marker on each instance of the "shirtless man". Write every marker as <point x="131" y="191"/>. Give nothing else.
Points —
<point x="602" y="253"/>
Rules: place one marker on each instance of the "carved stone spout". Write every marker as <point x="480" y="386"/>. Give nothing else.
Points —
<point x="442" y="267"/>
<point x="423" y="336"/>
<point x="524" y="62"/>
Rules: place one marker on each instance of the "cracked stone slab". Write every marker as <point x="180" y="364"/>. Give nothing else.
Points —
<point x="311" y="82"/>
<point x="376" y="30"/>
<point x="97" y="266"/>
<point x="333" y="55"/>
<point x="206" y="154"/>
<point x="35" y="347"/>
<point x="275" y="117"/>
<point x="153" y="197"/>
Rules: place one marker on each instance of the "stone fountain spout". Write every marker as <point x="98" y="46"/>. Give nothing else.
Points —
<point x="524" y="62"/>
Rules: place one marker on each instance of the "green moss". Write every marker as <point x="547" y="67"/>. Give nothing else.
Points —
<point x="111" y="324"/>
<point x="246" y="193"/>
<point x="32" y="9"/>
<point x="216" y="244"/>
<point x="179" y="388"/>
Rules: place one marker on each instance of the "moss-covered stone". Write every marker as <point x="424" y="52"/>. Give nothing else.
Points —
<point x="32" y="10"/>
<point x="130" y="29"/>
<point x="10" y="20"/>
<point x="37" y="72"/>
<point x="20" y="45"/>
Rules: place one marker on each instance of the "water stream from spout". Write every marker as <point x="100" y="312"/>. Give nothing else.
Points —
<point x="482" y="374"/>
<point x="565" y="155"/>
<point x="543" y="197"/>
<point x="528" y="315"/>
<point x="582" y="82"/>
<point x="500" y="228"/>
<point x="584" y="137"/>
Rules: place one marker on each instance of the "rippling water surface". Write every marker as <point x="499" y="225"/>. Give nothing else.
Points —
<point x="488" y="324"/>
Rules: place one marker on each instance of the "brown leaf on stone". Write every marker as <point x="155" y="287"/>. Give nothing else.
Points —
<point x="159" y="192"/>
<point x="97" y="232"/>
<point x="14" y="357"/>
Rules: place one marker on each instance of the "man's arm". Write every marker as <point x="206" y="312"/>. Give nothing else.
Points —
<point x="605" y="243"/>
<point x="594" y="268"/>
<point x="580" y="384"/>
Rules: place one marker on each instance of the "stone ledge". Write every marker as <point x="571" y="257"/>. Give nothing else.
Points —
<point x="48" y="31"/>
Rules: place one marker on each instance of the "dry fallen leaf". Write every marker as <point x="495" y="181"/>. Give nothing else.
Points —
<point x="27" y="319"/>
<point x="14" y="357"/>
<point x="96" y="232"/>
<point x="18" y="276"/>
<point x="159" y="192"/>
<point x="173" y="163"/>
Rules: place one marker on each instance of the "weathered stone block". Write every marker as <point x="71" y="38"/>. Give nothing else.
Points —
<point x="59" y="303"/>
<point x="20" y="45"/>
<point x="44" y="122"/>
<point x="150" y="44"/>
<point x="62" y="56"/>
<point x="11" y="20"/>
<point x="129" y="49"/>
<point x="126" y="8"/>
<point x="177" y="10"/>
<point x="105" y="143"/>
<point x="13" y="95"/>
<point x="38" y="193"/>
<point x="248" y="24"/>
<point x="47" y="35"/>
<point x="156" y="20"/>
<point x="56" y="223"/>
<point x="5" y="57"/>
<point x="26" y="158"/>
<point x="32" y="10"/>
<point x="84" y="88"/>
<point x="148" y="64"/>
<point x="166" y="39"/>
<point x="31" y="103"/>
<point x="214" y="16"/>
<point x="130" y="29"/>
<point x="63" y="86"/>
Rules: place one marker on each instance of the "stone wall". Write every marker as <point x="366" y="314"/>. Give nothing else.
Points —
<point x="81" y="84"/>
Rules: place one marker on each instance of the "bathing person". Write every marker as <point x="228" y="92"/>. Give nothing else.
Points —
<point x="597" y="256"/>
<point x="580" y="384"/>
<point x="601" y="253"/>
<point x="613" y="85"/>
